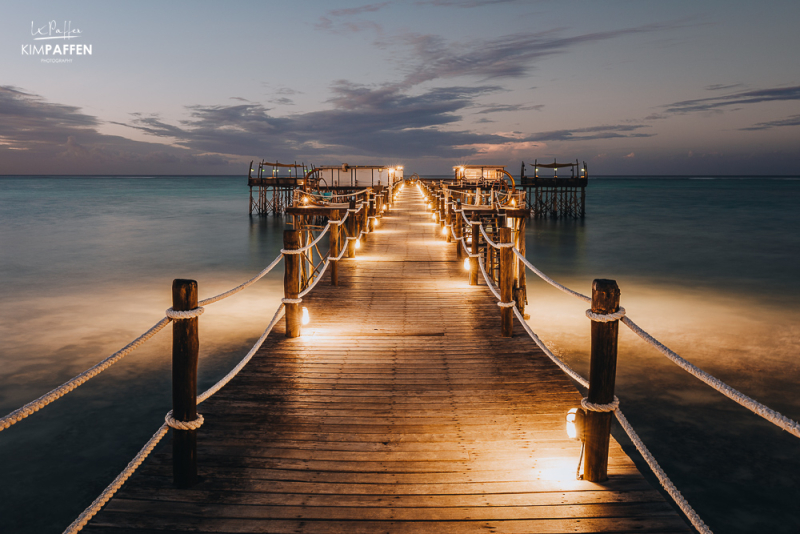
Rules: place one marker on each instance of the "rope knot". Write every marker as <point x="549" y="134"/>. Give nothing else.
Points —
<point x="183" y="425"/>
<point x="291" y="301"/>
<point x="592" y="407"/>
<point x="606" y="318"/>
<point x="506" y="304"/>
<point x="176" y="315"/>
<point x="293" y="251"/>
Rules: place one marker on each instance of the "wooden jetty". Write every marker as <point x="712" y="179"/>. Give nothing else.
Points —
<point x="402" y="409"/>
<point x="275" y="193"/>
<point x="556" y="197"/>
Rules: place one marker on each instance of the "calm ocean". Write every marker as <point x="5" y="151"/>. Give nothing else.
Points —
<point x="707" y="265"/>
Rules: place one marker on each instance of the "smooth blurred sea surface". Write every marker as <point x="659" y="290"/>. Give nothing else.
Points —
<point x="707" y="265"/>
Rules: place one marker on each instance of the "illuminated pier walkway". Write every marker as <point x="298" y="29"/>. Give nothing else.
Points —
<point x="399" y="409"/>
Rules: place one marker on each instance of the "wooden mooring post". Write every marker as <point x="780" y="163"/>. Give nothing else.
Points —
<point x="459" y="229"/>
<point x="473" y="260"/>
<point x="602" y="378"/>
<point x="448" y="216"/>
<point x="506" y="257"/>
<point x="291" y="282"/>
<point x="364" y="216"/>
<point x="185" y="349"/>
<point x="335" y="245"/>
<point x="352" y="229"/>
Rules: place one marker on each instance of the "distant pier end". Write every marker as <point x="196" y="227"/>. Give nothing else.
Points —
<point x="554" y="196"/>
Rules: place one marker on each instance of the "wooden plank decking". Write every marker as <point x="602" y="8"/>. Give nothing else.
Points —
<point x="399" y="410"/>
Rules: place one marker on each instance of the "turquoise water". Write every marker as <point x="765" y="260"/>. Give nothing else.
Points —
<point x="706" y="265"/>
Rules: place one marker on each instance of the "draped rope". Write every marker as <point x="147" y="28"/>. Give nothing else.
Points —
<point x="126" y="473"/>
<point x="310" y="245"/>
<point x="55" y="394"/>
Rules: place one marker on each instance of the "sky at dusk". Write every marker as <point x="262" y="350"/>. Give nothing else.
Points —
<point x="630" y="87"/>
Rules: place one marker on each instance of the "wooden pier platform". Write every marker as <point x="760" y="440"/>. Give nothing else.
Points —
<point x="400" y="409"/>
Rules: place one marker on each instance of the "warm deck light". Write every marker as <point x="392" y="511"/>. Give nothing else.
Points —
<point x="433" y="216"/>
<point x="444" y="230"/>
<point x="466" y="264"/>
<point x="575" y="423"/>
<point x="376" y="222"/>
<point x="510" y="222"/>
<point x="513" y="202"/>
<point x="305" y="200"/>
<point x="358" y="244"/>
<point x="306" y="318"/>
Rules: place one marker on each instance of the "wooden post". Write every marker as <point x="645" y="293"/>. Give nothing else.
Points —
<point x="185" y="348"/>
<point x="365" y="217"/>
<point x="291" y="282"/>
<point x="440" y="206"/>
<point x="506" y="257"/>
<point x="602" y="375"/>
<point x="473" y="261"/>
<point x="352" y="230"/>
<point x="522" y="280"/>
<point x="335" y="246"/>
<point x="448" y="217"/>
<point x="373" y="212"/>
<point x="459" y="228"/>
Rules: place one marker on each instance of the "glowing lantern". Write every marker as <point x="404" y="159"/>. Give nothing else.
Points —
<point x="575" y="418"/>
<point x="444" y="230"/>
<point x="358" y="244"/>
<point x="306" y="318"/>
<point x="466" y="264"/>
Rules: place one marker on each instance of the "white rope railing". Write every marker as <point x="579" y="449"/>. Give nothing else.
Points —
<point x="55" y="394"/>
<point x="665" y="481"/>
<point x="773" y="416"/>
<point x="735" y="395"/>
<point x="489" y="281"/>
<point x="316" y="280"/>
<point x="240" y="287"/>
<point x="334" y="195"/>
<point x="126" y="473"/>
<point x="310" y="245"/>
<point x="547" y="279"/>
<point x="71" y="384"/>
<point x="339" y="257"/>
<point x="492" y="243"/>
